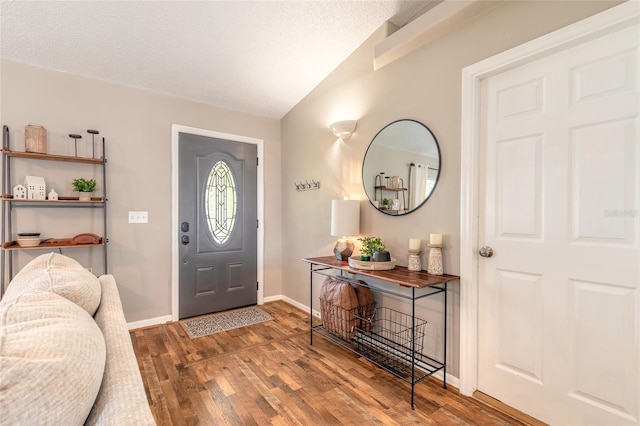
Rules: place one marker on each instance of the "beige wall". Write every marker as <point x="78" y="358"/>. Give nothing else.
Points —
<point x="137" y="127"/>
<point x="424" y="85"/>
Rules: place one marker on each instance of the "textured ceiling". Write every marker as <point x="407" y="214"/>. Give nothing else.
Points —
<point x="259" y="57"/>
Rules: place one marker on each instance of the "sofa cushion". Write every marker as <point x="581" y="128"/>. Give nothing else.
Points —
<point x="52" y="357"/>
<point x="61" y="275"/>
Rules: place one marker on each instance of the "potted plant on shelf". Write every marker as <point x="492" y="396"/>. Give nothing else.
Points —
<point x="386" y="203"/>
<point x="84" y="188"/>
<point x="373" y="249"/>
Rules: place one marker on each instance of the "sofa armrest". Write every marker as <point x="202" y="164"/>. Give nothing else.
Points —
<point x="122" y="399"/>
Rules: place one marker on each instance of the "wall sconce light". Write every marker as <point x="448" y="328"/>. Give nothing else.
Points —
<point x="343" y="129"/>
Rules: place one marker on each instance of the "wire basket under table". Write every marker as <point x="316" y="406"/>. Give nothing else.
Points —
<point x="388" y="339"/>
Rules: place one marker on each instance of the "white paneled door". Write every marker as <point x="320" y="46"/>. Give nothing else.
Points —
<point x="559" y="300"/>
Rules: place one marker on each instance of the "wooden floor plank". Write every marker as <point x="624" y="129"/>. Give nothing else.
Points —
<point x="269" y="374"/>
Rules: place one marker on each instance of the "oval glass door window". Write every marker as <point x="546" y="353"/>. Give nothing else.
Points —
<point x="221" y="202"/>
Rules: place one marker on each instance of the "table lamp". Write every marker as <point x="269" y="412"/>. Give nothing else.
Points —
<point x="345" y="222"/>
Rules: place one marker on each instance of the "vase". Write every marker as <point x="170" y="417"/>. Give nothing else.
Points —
<point x="435" y="260"/>
<point x="414" y="260"/>
<point x="381" y="256"/>
<point x="85" y="196"/>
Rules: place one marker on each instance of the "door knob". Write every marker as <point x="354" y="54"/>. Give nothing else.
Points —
<point x="185" y="239"/>
<point x="485" y="251"/>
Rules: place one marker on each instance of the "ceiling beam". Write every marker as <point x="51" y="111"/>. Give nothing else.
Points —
<point x="442" y="18"/>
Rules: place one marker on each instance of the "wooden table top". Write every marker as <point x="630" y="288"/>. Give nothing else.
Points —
<point x="399" y="275"/>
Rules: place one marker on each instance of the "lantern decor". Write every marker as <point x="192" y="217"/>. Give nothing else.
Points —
<point x="35" y="139"/>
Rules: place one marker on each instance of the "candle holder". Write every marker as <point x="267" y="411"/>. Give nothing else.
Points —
<point x="414" y="260"/>
<point x="93" y="134"/>
<point x="435" y="259"/>
<point x="75" y="138"/>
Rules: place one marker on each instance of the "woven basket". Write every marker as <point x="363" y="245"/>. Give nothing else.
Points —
<point x="35" y="139"/>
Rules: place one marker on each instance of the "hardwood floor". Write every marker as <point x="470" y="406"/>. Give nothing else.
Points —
<point x="269" y="374"/>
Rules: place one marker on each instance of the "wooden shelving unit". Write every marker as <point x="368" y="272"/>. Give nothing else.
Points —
<point x="9" y="204"/>
<point x="49" y="244"/>
<point x="381" y="189"/>
<point x="51" y="157"/>
<point x="384" y="188"/>
<point x="70" y="200"/>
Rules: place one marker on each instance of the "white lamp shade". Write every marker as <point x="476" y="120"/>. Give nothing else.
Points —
<point x="345" y="218"/>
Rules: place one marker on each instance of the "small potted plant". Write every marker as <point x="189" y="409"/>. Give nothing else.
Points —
<point x="386" y="203"/>
<point x="373" y="248"/>
<point x="84" y="188"/>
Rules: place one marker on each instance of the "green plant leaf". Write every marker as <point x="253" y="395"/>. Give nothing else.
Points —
<point x="371" y="245"/>
<point x="84" y="185"/>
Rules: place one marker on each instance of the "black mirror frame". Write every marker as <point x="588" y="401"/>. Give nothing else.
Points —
<point x="435" y="140"/>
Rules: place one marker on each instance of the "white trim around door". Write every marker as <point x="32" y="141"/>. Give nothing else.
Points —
<point x="621" y="16"/>
<point x="176" y="129"/>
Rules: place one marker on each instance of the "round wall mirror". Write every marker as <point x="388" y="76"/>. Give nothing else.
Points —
<point x="401" y="167"/>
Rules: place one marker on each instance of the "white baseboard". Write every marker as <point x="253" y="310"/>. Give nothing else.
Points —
<point x="149" y="322"/>
<point x="292" y="302"/>
<point x="272" y="298"/>
<point x="451" y="380"/>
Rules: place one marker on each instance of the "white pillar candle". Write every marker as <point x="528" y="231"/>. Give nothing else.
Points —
<point x="414" y="244"/>
<point x="435" y="239"/>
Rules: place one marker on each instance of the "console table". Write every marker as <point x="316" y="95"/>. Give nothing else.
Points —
<point x="408" y="364"/>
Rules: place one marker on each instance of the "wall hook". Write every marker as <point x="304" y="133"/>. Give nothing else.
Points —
<point x="306" y="185"/>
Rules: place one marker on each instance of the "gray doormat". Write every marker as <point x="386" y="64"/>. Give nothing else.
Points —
<point x="224" y="321"/>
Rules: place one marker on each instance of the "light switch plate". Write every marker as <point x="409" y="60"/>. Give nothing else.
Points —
<point x="138" y="217"/>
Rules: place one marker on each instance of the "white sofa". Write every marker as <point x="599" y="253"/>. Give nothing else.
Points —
<point x="65" y="352"/>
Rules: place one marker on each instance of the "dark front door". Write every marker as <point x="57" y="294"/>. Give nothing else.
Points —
<point x="218" y="224"/>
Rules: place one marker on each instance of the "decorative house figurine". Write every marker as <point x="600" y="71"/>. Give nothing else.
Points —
<point x="19" y="192"/>
<point x="53" y="195"/>
<point x="36" y="188"/>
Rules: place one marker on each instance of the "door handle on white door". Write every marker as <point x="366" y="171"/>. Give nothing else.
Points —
<point x="485" y="251"/>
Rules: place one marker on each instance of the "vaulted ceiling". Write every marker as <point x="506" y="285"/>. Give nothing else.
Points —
<point x="258" y="57"/>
